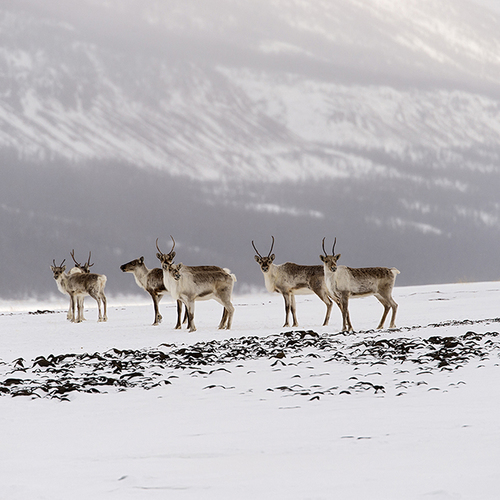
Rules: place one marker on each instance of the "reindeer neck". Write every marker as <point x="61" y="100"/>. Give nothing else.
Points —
<point x="140" y="275"/>
<point x="62" y="282"/>
<point x="270" y="278"/>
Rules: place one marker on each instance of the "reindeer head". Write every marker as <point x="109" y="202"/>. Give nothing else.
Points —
<point x="264" y="262"/>
<point x="165" y="259"/>
<point x="330" y="261"/>
<point x="58" y="270"/>
<point x="84" y="268"/>
<point x="133" y="264"/>
<point x="175" y="271"/>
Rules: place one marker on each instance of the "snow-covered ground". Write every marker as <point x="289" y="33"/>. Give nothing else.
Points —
<point x="260" y="411"/>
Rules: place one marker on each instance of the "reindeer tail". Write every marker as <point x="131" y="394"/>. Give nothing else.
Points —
<point x="228" y="271"/>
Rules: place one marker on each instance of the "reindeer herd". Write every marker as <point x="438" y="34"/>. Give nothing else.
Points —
<point x="187" y="284"/>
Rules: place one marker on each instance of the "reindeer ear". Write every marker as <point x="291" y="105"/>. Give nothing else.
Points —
<point x="337" y="257"/>
<point x="52" y="268"/>
<point x="63" y="268"/>
<point x="173" y="255"/>
<point x="272" y="256"/>
<point x="257" y="258"/>
<point x="158" y="256"/>
<point x="141" y="260"/>
<point x="322" y="257"/>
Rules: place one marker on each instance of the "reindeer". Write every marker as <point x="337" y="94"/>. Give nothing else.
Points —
<point x="345" y="282"/>
<point x="191" y="283"/>
<point x="151" y="280"/>
<point x="79" y="284"/>
<point x="78" y="268"/>
<point x="290" y="279"/>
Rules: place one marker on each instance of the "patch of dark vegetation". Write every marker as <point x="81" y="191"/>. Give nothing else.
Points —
<point x="441" y="352"/>
<point x="57" y="376"/>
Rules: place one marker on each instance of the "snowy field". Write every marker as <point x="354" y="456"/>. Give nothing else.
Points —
<point x="260" y="412"/>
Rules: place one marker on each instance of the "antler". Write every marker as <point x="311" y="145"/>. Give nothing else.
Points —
<point x="158" y="248"/>
<point x="270" y="251"/>
<point x="171" y="250"/>
<point x="333" y="248"/>
<point x="256" y="250"/>
<point x="72" y="253"/>
<point x="89" y="265"/>
<point x="272" y="246"/>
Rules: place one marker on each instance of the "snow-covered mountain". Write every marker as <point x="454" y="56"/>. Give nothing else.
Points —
<point x="212" y="93"/>
<point x="361" y="119"/>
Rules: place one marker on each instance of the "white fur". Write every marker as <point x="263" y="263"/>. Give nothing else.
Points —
<point x="342" y="282"/>
<point x="76" y="285"/>
<point x="183" y="285"/>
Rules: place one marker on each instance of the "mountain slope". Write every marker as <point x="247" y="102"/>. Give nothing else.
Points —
<point x="377" y="122"/>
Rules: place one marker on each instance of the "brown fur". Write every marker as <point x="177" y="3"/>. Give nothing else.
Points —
<point x="80" y="284"/>
<point x="151" y="280"/>
<point x="290" y="278"/>
<point x="345" y="282"/>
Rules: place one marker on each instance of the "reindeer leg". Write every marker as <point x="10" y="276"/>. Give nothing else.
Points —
<point x="70" y="314"/>
<point x="384" y="315"/>
<point x="323" y="295"/>
<point x="227" y="316"/>
<point x="79" y="303"/>
<point x="337" y="301"/>
<point x="96" y="297"/>
<point x="346" y="320"/>
<point x="388" y="303"/>
<point x="178" y="326"/>
<point x="71" y="311"/>
<point x="158" y="298"/>
<point x="186" y="317"/>
<point x="223" y="319"/>
<point x="230" y="314"/>
<point x="224" y="299"/>
<point x="104" y="304"/>
<point x="329" y="305"/>
<point x="394" y="306"/>
<point x="157" y="320"/>
<point x="77" y="308"/>
<point x="286" y="298"/>
<point x="349" y="324"/>
<point x="190" y="312"/>
<point x="83" y="308"/>
<point x="98" y="300"/>
<point x="292" y="307"/>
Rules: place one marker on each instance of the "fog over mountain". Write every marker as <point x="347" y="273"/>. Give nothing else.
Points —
<point x="222" y="122"/>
